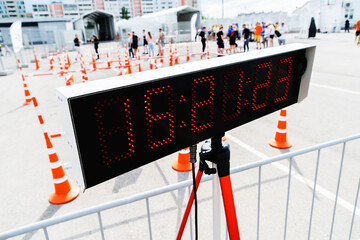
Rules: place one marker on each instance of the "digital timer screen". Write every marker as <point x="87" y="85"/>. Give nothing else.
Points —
<point x="124" y="128"/>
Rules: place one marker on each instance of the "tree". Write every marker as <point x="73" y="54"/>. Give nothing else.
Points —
<point x="124" y="13"/>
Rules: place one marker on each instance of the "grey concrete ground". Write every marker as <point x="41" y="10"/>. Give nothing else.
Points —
<point x="331" y="111"/>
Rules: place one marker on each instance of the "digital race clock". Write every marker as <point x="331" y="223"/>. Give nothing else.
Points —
<point x="118" y="124"/>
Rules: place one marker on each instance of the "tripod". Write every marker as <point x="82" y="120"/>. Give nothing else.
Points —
<point x="217" y="152"/>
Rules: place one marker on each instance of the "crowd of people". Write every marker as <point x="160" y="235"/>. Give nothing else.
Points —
<point x="238" y="38"/>
<point x="235" y="39"/>
<point x="149" y="42"/>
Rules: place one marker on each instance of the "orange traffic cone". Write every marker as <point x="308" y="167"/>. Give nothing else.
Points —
<point x="280" y="136"/>
<point x="68" y="60"/>
<point x="139" y="67"/>
<point x="171" y="59"/>
<point x="108" y="60"/>
<point x="176" y="56"/>
<point x="63" y="191"/>
<point x="37" y="63"/>
<point x="51" y="63"/>
<point x="61" y="67"/>
<point x="182" y="164"/>
<point x="187" y="53"/>
<point x="207" y="50"/>
<point x="28" y="97"/>
<point x="69" y="79"/>
<point x="161" y="56"/>
<point x="93" y="62"/>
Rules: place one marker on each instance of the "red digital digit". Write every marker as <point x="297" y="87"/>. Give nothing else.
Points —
<point x="261" y="101"/>
<point x="202" y="110"/>
<point x="163" y="119"/>
<point x="231" y="99"/>
<point x="117" y="138"/>
<point x="283" y="80"/>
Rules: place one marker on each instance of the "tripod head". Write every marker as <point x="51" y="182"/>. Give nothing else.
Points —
<point x="218" y="152"/>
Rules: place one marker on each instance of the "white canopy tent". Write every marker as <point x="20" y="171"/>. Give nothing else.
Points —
<point x="179" y="24"/>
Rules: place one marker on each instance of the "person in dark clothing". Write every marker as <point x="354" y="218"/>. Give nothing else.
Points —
<point x="312" y="29"/>
<point x="233" y="36"/>
<point x="95" y="40"/>
<point x="246" y="35"/>
<point x="220" y="41"/>
<point x="145" y="42"/>
<point x="77" y="46"/>
<point x="347" y="25"/>
<point x="134" y="43"/>
<point x="202" y="34"/>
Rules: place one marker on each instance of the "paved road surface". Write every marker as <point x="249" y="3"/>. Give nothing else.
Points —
<point x="331" y="111"/>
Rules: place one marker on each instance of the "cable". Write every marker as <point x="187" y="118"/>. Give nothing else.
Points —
<point x="193" y="161"/>
<point x="195" y="201"/>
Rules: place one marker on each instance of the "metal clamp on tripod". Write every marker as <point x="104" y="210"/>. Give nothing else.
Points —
<point x="217" y="152"/>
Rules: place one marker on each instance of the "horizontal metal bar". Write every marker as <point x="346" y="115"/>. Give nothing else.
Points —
<point x="292" y="154"/>
<point x="162" y="190"/>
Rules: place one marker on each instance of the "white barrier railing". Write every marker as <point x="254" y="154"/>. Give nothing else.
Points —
<point x="146" y="195"/>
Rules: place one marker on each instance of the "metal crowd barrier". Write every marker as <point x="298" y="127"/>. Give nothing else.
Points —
<point x="167" y="189"/>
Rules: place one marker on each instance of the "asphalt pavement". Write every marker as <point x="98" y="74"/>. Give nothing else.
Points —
<point x="330" y="111"/>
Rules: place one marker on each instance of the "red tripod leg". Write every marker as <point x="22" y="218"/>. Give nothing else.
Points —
<point x="189" y="205"/>
<point x="229" y="207"/>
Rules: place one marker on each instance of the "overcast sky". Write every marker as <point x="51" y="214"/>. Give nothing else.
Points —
<point x="212" y="8"/>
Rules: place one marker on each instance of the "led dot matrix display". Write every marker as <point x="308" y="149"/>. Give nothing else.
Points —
<point x="121" y="129"/>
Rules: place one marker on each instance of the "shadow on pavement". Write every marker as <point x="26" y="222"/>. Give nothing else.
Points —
<point x="297" y="168"/>
<point x="126" y="179"/>
<point x="48" y="213"/>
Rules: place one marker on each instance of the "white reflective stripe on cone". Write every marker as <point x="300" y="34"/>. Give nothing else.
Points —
<point x="281" y="130"/>
<point x="55" y="165"/>
<point x="43" y="128"/>
<point x="51" y="150"/>
<point x="184" y="151"/>
<point x="60" y="180"/>
<point x="282" y="118"/>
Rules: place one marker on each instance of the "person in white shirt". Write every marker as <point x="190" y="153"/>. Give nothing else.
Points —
<point x="283" y="30"/>
<point x="271" y="34"/>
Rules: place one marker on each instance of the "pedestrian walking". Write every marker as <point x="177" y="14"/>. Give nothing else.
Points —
<point x="77" y="42"/>
<point x="134" y="43"/>
<point x="129" y="45"/>
<point x="202" y="35"/>
<point x="151" y="44"/>
<point x="246" y="36"/>
<point x="266" y="37"/>
<point x="263" y="33"/>
<point x="282" y="30"/>
<point x="232" y="38"/>
<point x="257" y="33"/>
<point x="220" y="40"/>
<point x="95" y="40"/>
<point x="357" y="31"/>
<point x="271" y="34"/>
<point x="161" y="41"/>
<point x="347" y="25"/>
<point x="145" y="42"/>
